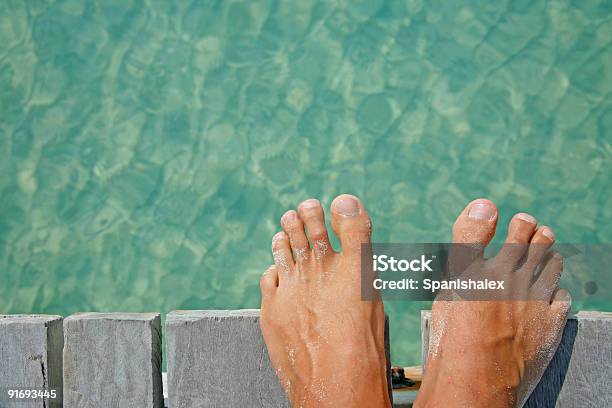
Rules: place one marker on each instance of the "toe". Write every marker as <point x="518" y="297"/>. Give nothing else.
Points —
<point x="281" y="251"/>
<point x="549" y="276"/>
<point x="521" y="228"/>
<point x="541" y="242"/>
<point x="520" y="231"/>
<point x="351" y="223"/>
<point x="472" y="232"/>
<point x="268" y="282"/>
<point x="294" y="228"/>
<point x="476" y="223"/>
<point x="311" y="213"/>
<point x="561" y="302"/>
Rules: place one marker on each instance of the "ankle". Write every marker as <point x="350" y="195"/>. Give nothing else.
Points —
<point x="354" y="386"/>
<point x="467" y="383"/>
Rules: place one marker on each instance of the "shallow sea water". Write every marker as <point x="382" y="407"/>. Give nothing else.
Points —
<point x="148" y="148"/>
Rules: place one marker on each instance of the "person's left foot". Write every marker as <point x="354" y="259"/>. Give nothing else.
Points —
<point x="326" y="344"/>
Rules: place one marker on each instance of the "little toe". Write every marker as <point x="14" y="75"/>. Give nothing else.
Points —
<point x="281" y="251"/>
<point x="294" y="228"/>
<point x="268" y="282"/>
<point x="561" y="302"/>
<point x="350" y="223"/>
<point x="521" y="229"/>
<point x="313" y="216"/>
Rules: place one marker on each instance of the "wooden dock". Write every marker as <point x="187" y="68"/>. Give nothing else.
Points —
<point x="218" y="359"/>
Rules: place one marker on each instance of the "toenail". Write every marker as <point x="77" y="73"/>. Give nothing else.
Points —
<point x="547" y="232"/>
<point x="347" y="206"/>
<point x="527" y="218"/>
<point x="482" y="211"/>
<point x="277" y="237"/>
<point x="310" y="203"/>
<point x="289" y="216"/>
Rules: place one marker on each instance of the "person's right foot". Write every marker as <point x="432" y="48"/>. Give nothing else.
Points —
<point x="326" y="344"/>
<point x="492" y="353"/>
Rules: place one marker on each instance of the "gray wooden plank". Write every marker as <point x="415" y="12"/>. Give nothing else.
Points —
<point x="217" y="358"/>
<point x="30" y="357"/>
<point x="580" y="373"/>
<point x="112" y="360"/>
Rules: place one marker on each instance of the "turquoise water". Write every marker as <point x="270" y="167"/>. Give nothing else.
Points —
<point x="148" y="148"/>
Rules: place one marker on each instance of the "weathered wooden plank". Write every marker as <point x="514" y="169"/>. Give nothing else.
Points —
<point x="30" y="357"/>
<point x="112" y="360"/>
<point x="580" y="374"/>
<point x="219" y="358"/>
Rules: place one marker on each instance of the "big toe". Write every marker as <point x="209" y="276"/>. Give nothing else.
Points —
<point x="472" y="232"/>
<point x="476" y="223"/>
<point x="351" y="223"/>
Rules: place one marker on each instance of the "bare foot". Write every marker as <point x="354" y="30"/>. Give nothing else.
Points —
<point x="326" y="345"/>
<point x="492" y="353"/>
